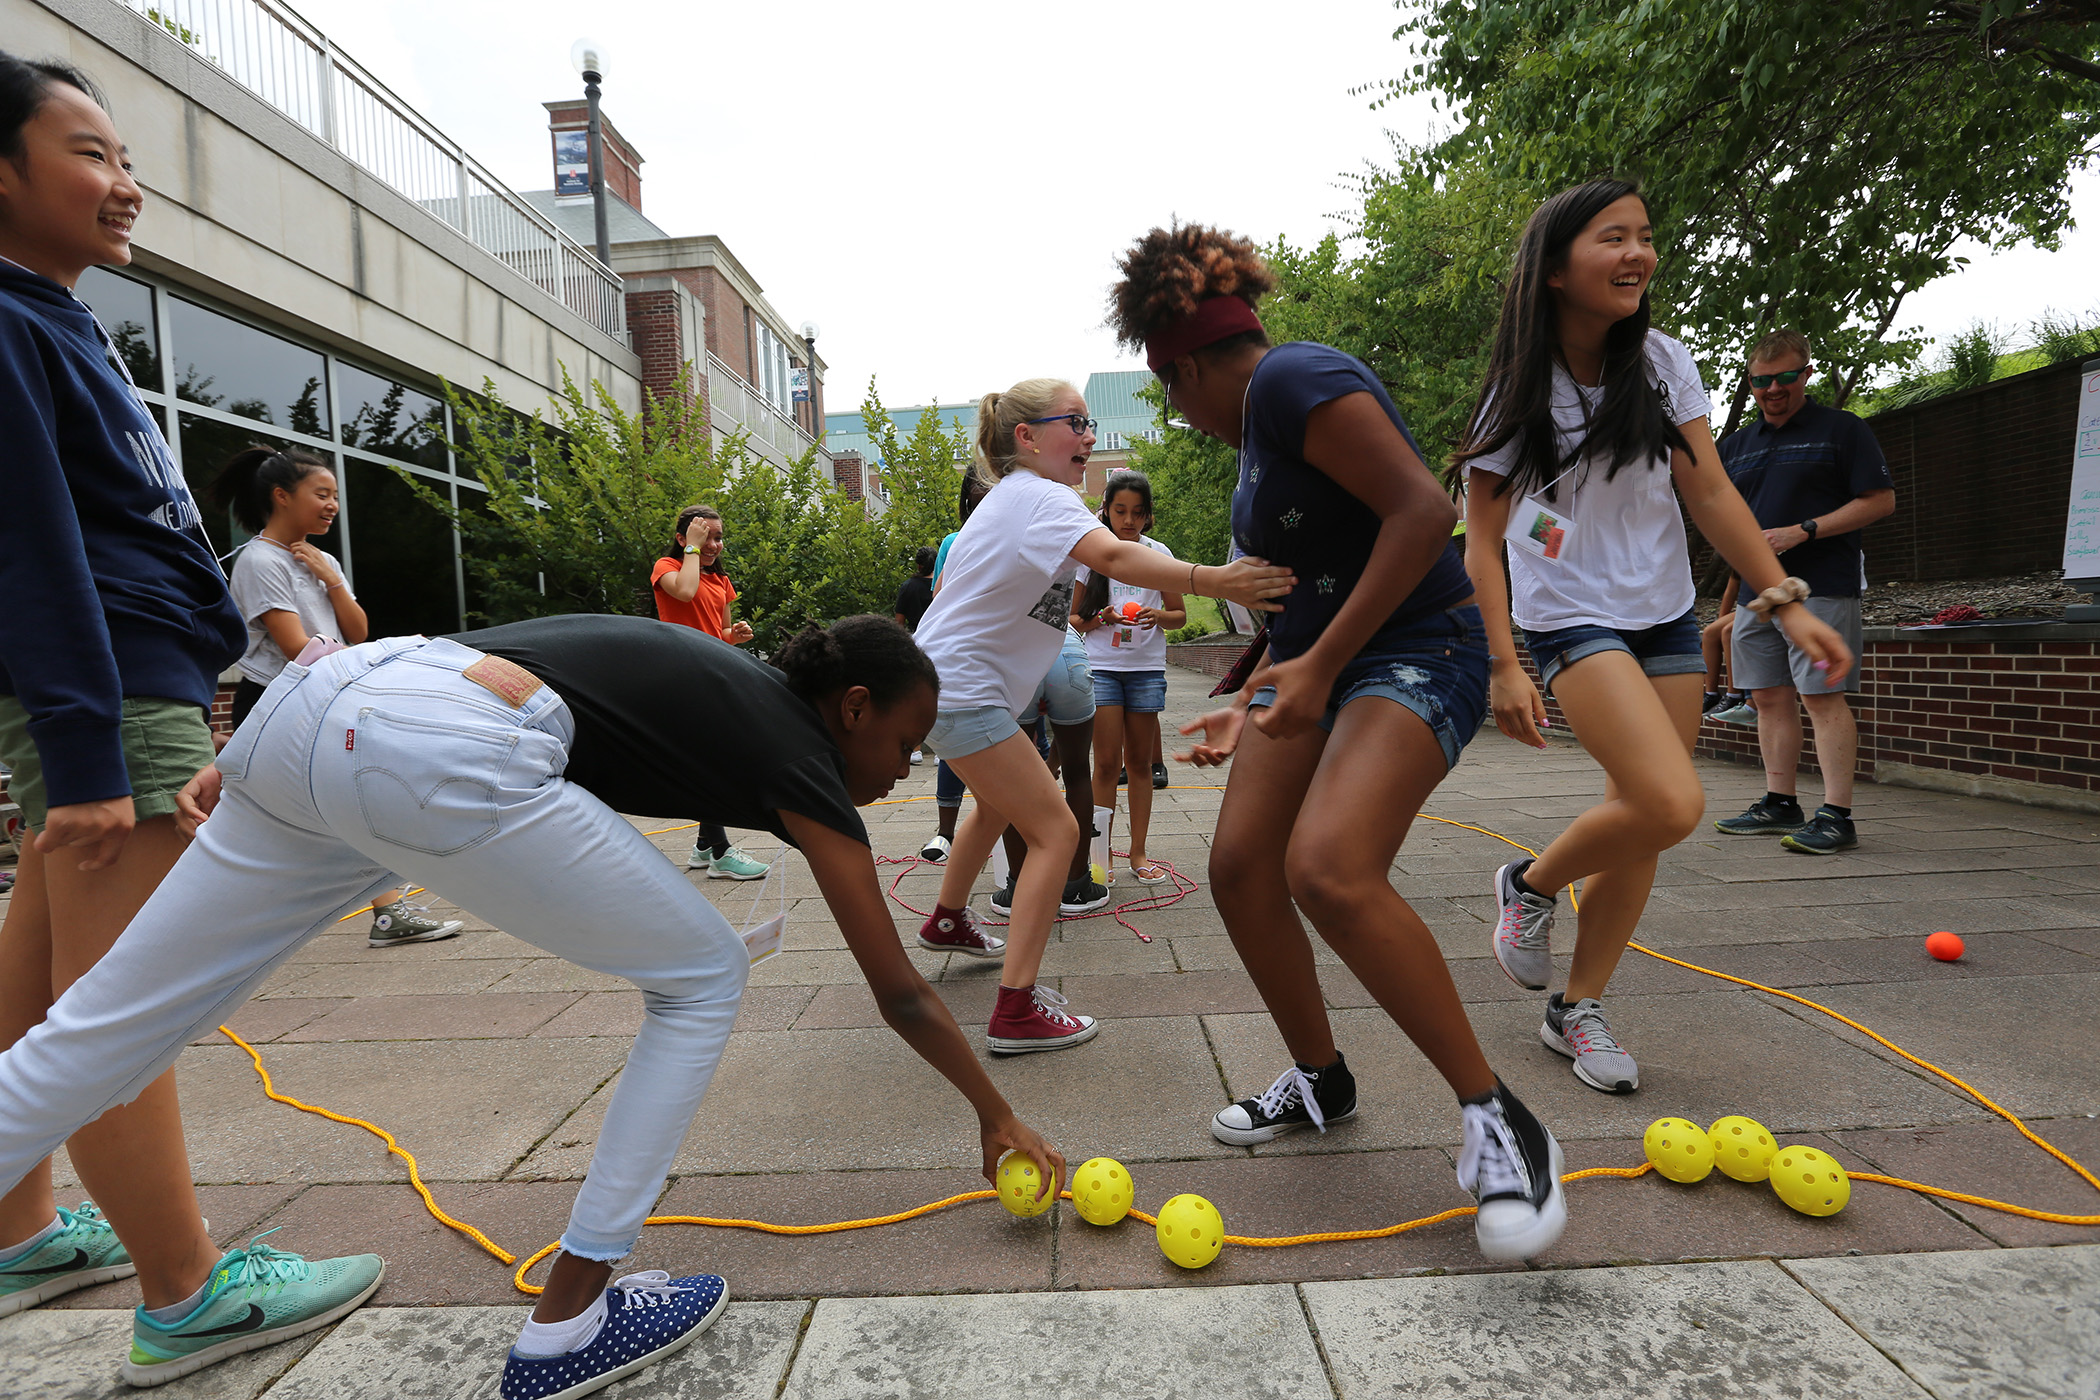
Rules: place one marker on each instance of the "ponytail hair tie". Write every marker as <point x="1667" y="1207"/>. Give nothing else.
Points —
<point x="1788" y="590"/>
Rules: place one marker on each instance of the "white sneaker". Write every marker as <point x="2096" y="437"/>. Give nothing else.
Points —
<point x="935" y="851"/>
<point x="1512" y="1166"/>
<point x="917" y="758"/>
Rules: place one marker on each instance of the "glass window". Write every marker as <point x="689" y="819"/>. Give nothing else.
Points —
<point x="207" y="445"/>
<point x="400" y="554"/>
<point x="391" y="419"/>
<point x="125" y="309"/>
<point x="229" y="365"/>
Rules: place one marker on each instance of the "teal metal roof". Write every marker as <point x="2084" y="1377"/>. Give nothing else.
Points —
<point x="848" y="432"/>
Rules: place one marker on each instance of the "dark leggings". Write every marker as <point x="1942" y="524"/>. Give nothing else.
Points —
<point x="713" y="838"/>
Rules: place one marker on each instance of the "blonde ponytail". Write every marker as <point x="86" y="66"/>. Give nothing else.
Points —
<point x="997" y="417"/>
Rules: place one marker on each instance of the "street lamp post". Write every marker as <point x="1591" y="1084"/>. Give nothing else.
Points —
<point x="809" y="362"/>
<point x="589" y="57"/>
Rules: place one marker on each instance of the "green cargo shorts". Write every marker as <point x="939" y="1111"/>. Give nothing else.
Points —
<point x="165" y="743"/>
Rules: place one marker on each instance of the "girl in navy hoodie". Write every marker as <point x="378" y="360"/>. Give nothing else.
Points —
<point x="115" y="629"/>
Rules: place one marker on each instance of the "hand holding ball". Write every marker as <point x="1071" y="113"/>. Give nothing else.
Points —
<point x="1191" y="1232"/>
<point x="1101" y="1191"/>
<point x="1018" y="1180"/>
<point x="1131" y="611"/>
<point x="1947" y="947"/>
<point x="1679" y="1149"/>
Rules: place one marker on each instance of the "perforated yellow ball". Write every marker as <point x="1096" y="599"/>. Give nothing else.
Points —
<point x="1810" y="1181"/>
<point x="1191" y="1232"/>
<point x="1678" y="1149"/>
<point x="1018" y="1179"/>
<point x="1101" y="1190"/>
<point x="1742" y="1147"/>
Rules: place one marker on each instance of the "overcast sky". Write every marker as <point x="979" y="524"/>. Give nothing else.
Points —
<point x="943" y="186"/>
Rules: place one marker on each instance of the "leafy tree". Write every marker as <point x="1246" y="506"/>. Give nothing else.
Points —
<point x="922" y="471"/>
<point x="1810" y="162"/>
<point x="1192" y="480"/>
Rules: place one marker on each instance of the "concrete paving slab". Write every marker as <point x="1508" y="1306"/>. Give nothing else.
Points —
<point x="1896" y="959"/>
<point x="976" y="1247"/>
<point x="467" y="1109"/>
<point x="1162" y="1344"/>
<point x="263" y="1019"/>
<point x="2008" y="1322"/>
<point x="56" y="1354"/>
<point x="559" y="975"/>
<point x="1651" y="1220"/>
<point x="2024" y="1041"/>
<point x="1992" y="1160"/>
<point x="1967" y="916"/>
<point x="1714" y="1330"/>
<point x="427" y="1353"/>
<point x="392" y="978"/>
<point x="597" y="1014"/>
<point x="968" y="1000"/>
<point x="1164" y="994"/>
<point x="474" y="1016"/>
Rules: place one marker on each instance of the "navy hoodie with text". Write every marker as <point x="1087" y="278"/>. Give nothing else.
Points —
<point x="108" y="586"/>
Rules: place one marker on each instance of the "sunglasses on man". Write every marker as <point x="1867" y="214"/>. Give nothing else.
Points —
<point x="1782" y="379"/>
<point x="1079" y="423"/>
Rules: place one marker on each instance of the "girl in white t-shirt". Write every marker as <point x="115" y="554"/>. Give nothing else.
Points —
<point x="1126" y="644"/>
<point x="996" y="624"/>
<point x="1587" y="421"/>
<point x="289" y="591"/>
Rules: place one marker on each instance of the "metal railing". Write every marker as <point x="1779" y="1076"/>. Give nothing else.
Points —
<point x="289" y="64"/>
<point x="732" y="404"/>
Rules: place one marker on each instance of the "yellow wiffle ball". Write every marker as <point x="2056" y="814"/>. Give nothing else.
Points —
<point x="1742" y="1147"/>
<point x="1018" y="1180"/>
<point x="1679" y="1149"/>
<point x="1101" y="1190"/>
<point x="1810" y="1181"/>
<point x="1191" y="1232"/>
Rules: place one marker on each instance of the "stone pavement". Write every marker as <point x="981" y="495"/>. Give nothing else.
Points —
<point x="492" y="1063"/>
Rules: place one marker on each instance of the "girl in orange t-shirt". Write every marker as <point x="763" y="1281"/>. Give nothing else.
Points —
<point x="691" y="590"/>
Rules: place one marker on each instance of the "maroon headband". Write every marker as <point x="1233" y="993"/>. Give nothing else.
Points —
<point x="1213" y="320"/>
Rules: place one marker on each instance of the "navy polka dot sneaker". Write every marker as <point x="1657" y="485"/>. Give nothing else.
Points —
<point x="648" y="1316"/>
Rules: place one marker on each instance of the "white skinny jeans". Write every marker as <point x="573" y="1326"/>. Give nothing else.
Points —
<point x="377" y="759"/>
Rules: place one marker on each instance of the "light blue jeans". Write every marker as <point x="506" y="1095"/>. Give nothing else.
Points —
<point x="378" y="759"/>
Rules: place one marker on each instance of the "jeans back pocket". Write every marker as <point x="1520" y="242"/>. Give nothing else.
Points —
<point x="425" y="785"/>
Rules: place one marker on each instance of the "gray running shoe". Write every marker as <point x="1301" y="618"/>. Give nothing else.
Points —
<point x="1579" y="1031"/>
<point x="1524" y="932"/>
<point x="1764" y="817"/>
<point x="402" y="922"/>
<point x="1741" y="713"/>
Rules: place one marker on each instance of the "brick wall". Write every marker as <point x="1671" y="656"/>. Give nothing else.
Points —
<point x="848" y="473"/>
<point x="653" y="324"/>
<point x="1212" y="658"/>
<point x="222" y="708"/>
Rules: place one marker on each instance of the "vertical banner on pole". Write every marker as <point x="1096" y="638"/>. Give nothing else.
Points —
<point x="572" y="164"/>
<point x="2082" y="523"/>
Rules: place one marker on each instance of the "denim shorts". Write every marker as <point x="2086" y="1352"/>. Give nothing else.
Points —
<point x="1139" y="692"/>
<point x="1437" y="667"/>
<point x="960" y="733"/>
<point x="1666" y="649"/>
<point x="1067" y="690"/>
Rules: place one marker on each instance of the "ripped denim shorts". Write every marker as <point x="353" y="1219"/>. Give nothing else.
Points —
<point x="1436" y="667"/>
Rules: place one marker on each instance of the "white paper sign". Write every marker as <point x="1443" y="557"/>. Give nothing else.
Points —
<point x="2082" y="525"/>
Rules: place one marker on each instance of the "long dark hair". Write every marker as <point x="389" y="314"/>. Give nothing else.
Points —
<point x="1094" y="597"/>
<point x="247" y="484"/>
<point x="685" y="519"/>
<point x="25" y="85"/>
<point x="1516" y="401"/>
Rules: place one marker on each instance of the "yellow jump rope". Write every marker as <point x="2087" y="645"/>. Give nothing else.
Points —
<point x="415" y="1175"/>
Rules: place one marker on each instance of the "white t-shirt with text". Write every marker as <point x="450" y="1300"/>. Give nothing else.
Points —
<point x="999" y="618"/>
<point x="1125" y="646"/>
<point x="1625" y="562"/>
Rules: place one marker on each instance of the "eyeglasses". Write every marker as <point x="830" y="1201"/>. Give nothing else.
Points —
<point x="1079" y="423"/>
<point x="1783" y="378"/>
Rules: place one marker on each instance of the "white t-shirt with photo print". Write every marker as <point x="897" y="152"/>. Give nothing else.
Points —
<point x="998" y="619"/>
<point x="1625" y="561"/>
<point x="1125" y="646"/>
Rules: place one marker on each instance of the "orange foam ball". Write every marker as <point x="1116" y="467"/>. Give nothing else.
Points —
<point x="1131" y="611"/>
<point x="1944" y="945"/>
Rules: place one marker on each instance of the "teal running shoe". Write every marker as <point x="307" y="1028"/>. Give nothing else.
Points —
<point x="733" y="864"/>
<point x="83" y="1253"/>
<point x="257" y="1297"/>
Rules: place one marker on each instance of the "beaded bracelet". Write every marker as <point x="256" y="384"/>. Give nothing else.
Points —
<point x="1789" y="590"/>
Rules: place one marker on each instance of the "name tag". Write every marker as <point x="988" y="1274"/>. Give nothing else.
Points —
<point x="1540" y="530"/>
<point x="506" y="679"/>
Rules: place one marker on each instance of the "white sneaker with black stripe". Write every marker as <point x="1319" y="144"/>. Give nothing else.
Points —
<point x="1512" y="1166"/>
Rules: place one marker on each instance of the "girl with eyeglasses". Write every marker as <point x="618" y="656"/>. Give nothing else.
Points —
<point x="290" y="591"/>
<point x="997" y="623"/>
<point x="1590" y="430"/>
<point x="1374" y="680"/>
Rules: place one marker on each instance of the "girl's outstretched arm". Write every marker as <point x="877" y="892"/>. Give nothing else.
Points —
<point x="845" y="873"/>
<point x="1248" y="581"/>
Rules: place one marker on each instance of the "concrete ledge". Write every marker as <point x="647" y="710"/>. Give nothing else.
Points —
<point x="1911" y="775"/>
<point x="2037" y="630"/>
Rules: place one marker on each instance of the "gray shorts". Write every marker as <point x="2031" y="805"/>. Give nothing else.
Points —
<point x="1763" y="658"/>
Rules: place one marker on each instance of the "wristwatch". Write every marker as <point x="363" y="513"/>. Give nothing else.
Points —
<point x="695" y="549"/>
<point x="1808" y="527"/>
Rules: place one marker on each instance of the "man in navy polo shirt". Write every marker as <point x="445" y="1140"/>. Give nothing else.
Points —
<point x="1814" y="477"/>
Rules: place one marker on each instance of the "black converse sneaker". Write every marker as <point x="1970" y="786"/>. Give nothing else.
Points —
<point x="1300" y="1098"/>
<point x="1512" y="1166"/>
